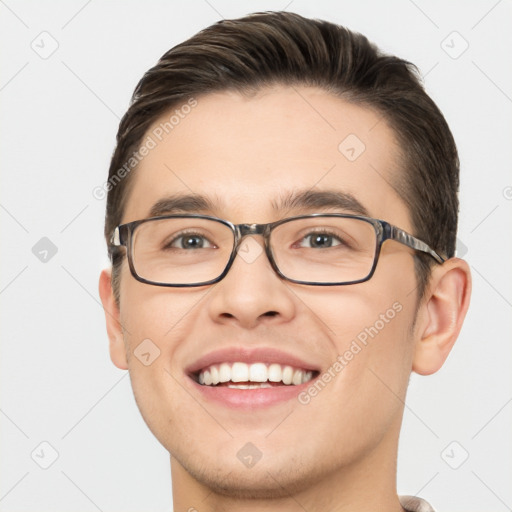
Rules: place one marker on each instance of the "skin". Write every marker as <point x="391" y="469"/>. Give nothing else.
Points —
<point x="338" y="452"/>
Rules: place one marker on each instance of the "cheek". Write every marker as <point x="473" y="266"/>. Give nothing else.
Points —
<point x="368" y="327"/>
<point x="155" y="312"/>
<point x="153" y="324"/>
<point x="153" y="376"/>
<point x="156" y="321"/>
<point x="362" y="392"/>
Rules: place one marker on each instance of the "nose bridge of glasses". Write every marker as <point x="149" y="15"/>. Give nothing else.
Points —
<point x="250" y="229"/>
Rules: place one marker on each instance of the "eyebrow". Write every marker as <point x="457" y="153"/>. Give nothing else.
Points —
<point x="302" y="200"/>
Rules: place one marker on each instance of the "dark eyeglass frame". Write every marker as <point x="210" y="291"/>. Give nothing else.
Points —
<point x="123" y="236"/>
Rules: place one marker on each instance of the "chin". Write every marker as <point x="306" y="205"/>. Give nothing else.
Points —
<point x="265" y="480"/>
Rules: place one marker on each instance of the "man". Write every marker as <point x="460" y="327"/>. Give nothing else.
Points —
<point x="281" y="220"/>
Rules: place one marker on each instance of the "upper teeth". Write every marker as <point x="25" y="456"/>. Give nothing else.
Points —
<point x="256" y="372"/>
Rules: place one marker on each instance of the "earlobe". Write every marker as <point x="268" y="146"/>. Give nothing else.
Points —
<point x="112" y="315"/>
<point x="441" y="315"/>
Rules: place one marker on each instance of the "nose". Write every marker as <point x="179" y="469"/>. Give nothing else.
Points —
<point x="251" y="293"/>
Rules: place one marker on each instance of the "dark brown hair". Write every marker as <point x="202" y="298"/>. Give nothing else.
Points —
<point x="270" y="48"/>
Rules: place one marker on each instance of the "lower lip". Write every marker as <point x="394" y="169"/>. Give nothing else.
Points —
<point x="250" y="398"/>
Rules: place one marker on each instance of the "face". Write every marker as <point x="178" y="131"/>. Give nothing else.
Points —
<point x="244" y="154"/>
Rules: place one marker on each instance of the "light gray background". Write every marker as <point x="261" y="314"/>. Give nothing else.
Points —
<point x="59" y="120"/>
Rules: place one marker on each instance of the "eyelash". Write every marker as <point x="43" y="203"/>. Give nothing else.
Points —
<point x="182" y="234"/>
<point x="195" y="233"/>
<point x="325" y="232"/>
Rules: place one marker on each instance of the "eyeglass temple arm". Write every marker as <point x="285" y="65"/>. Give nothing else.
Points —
<point x="405" y="238"/>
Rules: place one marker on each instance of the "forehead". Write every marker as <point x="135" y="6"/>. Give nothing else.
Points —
<point x="246" y="153"/>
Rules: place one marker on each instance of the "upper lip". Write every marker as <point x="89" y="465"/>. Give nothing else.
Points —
<point x="249" y="356"/>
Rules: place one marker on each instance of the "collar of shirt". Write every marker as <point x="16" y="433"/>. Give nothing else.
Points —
<point x="415" y="504"/>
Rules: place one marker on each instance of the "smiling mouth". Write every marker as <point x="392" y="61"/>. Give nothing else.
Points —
<point x="240" y="375"/>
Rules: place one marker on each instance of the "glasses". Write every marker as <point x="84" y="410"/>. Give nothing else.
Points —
<point x="318" y="249"/>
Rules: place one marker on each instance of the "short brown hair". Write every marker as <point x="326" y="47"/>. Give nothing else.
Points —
<point x="270" y="48"/>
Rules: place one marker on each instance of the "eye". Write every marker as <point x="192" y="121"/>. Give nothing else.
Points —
<point x="321" y="239"/>
<point x="188" y="241"/>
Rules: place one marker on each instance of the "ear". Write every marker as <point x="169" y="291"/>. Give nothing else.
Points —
<point x="441" y="315"/>
<point x="112" y="314"/>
